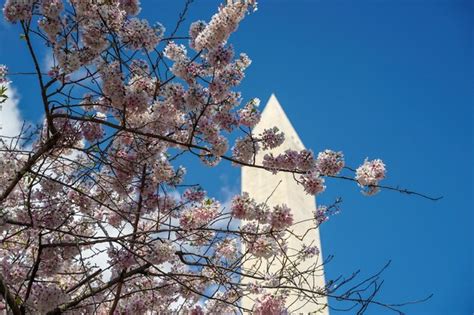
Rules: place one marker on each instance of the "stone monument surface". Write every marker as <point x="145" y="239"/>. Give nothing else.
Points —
<point x="281" y="188"/>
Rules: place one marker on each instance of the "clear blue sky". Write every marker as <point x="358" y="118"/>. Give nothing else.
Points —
<point x="388" y="79"/>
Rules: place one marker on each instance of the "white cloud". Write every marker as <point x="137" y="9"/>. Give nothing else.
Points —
<point x="227" y="193"/>
<point x="48" y="61"/>
<point x="10" y="117"/>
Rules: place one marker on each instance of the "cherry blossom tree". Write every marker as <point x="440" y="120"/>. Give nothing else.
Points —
<point x="96" y="215"/>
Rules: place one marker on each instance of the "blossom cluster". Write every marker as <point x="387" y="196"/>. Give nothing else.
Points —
<point x="290" y="160"/>
<point x="245" y="150"/>
<point x="3" y="74"/>
<point x="18" y="10"/>
<point x="47" y="297"/>
<point x="227" y="248"/>
<point x="263" y="246"/>
<point x="329" y="162"/>
<point x="272" y="138"/>
<point x="321" y="214"/>
<point x="308" y="252"/>
<point x="264" y="226"/>
<point x="313" y="183"/>
<point x="369" y="174"/>
<point x="313" y="171"/>
<point x="103" y="182"/>
<point x="221" y="26"/>
<point x="270" y="304"/>
<point x="246" y="208"/>
<point x="193" y="194"/>
<point x="137" y="34"/>
<point x="281" y="217"/>
<point x="201" y="215"/>
<point x="132" y="7"/>
<point x="249" y="115"/>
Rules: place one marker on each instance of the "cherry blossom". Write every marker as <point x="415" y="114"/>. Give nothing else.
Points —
<point x="92" y="132"/>
<point x="195" y="195"/>
<point x="227" y="249"/>
<point x="47" y="297"/>
<point x="139" y="34"/>
<point x="245" y="149"/>
<point x="98" y="213"/>
<point x="313" y="183"/>
<point x="198" y="216"/>
<point x="272" y="138"/>
<point x="18" y="10"/>
<point x="369" y="174"/>
<point x="281" y="217"/>
<point x="291" y="160"/>
<point x="132" y="7"/>
<point x="175" y="51"/>
<point x="249" y="115"/>
<point x="321" y="214"/>
<point x="329" y="162"/>
<point x="3" y="74"/>
<point x="270" y="304"/>
<point x="308" y="252"/>
<point x="51" y="8"/>
<point x="245" y="207"/>
<point x="221" y="26"/>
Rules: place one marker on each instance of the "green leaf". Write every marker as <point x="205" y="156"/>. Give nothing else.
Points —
<point x="3" y="95"/>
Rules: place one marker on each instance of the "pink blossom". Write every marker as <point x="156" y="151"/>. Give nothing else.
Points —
<point x="244" y="207"/>
<point x="226" y="120"/>
<point x="200" y="215"/>
<point x="221" y="26"/>
<point x="92" y="131"/>
<point x="160" y="252"/>
<point x="220" y="56"/>
<point x="51" y="26"/>
<point x="249" y="115"/>
<point x="227" y="248"/>
<point x="132" y="7"/>
<point x="321" y="214"/>
<point x="272" y="138"/>
<point x="194" y="195"/>
<point x="18" y="10"/>
<point x="139" y="34"/>
<point x="175" y="52"/>
<point x="313" y="183"/>
<point x="269" y="304"/>
<point x="3" y="74"/>
<point x="281" y="217"/>
<point x="263" y="247"/>
<point x="197" y="310"/>
<point x="329" y="162"/>
<point x="47" y="297"/>
<point x="369" y="174"/>
<point x="194" y="30"/>
<point x="289" y="160"/>
<point x="309" y="251"/>
<point x="305" y="160"/>
<point x="52" y="8"/>
<point x="245" y="150"/>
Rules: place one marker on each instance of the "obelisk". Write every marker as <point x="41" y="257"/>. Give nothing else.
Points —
<point x="281" y="188"/>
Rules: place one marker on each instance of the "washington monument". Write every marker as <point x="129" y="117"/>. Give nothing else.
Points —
<point x="281" y="188"/>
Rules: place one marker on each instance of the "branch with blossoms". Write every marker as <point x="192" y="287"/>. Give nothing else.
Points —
<point x="96" y="215"/>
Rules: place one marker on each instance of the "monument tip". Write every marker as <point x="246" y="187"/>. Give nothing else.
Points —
<point x="274" y="115"/>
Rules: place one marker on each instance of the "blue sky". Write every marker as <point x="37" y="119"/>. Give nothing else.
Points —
<point x="381" y="79"/>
